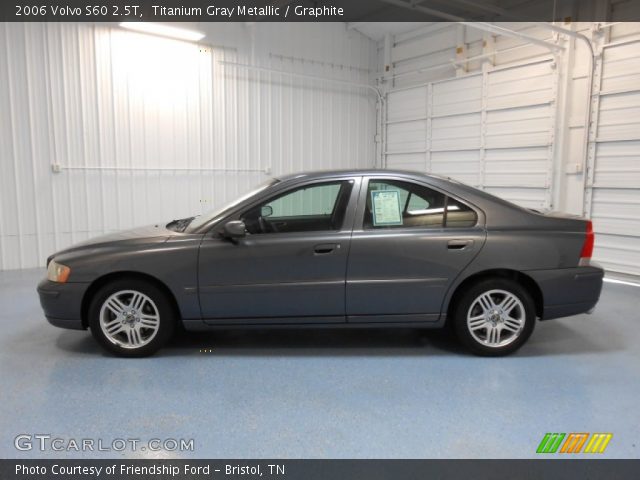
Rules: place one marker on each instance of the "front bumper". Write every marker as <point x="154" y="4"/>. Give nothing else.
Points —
<point x="568" y="291"/>
<point x="62" y="303"/>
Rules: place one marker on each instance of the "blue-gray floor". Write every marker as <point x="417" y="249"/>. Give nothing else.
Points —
<point x="310" y="394"/>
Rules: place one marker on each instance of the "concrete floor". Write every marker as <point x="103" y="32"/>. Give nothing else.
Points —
<point x="311" y="394"/>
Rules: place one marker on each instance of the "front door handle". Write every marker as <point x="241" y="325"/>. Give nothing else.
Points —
<point x="325" y="248"/>
<point x="459" y="244"/>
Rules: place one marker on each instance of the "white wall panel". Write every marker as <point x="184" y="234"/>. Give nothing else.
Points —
<point x="418" y="70"/>
<point x="612" y="199"/>
<point x="148" y="129"/>
<point x="526" y="167"/>
<point x="528" y="145"/>
<point x="519" y="127"/>
<point x="456" y="132"/>
<point x="492" y="129"/>
<point x="463" y="165"/>
<point x="456" y="96"/>
<point x="617" y="164"/>
<point x="619" y="116"/>
<point x="421" y="46"/>
<point x="407" y="104"/>
<point x="407" y="161"/>
<point x="520" y="123"/>
<point x="520" y="86"/>
<point x="406" y="136"/>
<point x="622" y="72"/>
<point x="526" y="197"/>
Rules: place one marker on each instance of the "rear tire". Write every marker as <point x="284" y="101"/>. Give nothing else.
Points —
<point x="131" y="317"/>
<point x="494" y="317"/>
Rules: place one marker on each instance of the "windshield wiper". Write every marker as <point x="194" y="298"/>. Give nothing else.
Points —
<point x="179" y="225"/>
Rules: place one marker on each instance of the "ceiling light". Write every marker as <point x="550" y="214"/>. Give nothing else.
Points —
<point x="164" y="30"/>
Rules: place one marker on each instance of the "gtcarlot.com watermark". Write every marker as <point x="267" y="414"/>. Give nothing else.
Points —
<point x="44" y="442"/>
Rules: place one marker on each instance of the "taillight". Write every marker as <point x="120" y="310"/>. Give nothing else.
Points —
<point x="587" y="246"/>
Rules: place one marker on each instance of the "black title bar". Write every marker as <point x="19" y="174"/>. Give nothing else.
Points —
<point x="549" y="469"/>
<point x="312" y="11"/>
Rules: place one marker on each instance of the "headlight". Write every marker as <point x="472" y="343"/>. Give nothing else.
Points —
<point x="57" y="272"/>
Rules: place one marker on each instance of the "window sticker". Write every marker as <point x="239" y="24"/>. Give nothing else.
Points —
<point x="386" y="208"/>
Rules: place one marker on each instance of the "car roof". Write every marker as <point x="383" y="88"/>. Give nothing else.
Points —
<point x="319" y="174"/>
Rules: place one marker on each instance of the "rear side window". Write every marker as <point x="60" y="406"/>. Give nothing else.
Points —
<point x="395" y="204"/>
<point x="459" y="215"/>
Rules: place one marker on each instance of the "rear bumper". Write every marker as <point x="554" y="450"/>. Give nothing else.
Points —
<point x="62" y="303"/>
<point x="568" y="291"/>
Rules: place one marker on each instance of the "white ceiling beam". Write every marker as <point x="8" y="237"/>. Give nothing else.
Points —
<point x="490" y="27"/>
<point x="557" y="29"/>
<point x="421" y="31"/>
<point x="302" y="75"/>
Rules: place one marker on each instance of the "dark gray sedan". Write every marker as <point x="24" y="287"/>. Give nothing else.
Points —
<point x="375" y="248"/>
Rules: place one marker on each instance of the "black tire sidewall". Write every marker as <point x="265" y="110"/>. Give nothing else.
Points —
<point x="165" y="310"/>
<point x="467" y="298"/>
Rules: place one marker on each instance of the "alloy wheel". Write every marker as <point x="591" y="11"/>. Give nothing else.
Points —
<point x="129" y="319"/>
<point x="496" y="318"/>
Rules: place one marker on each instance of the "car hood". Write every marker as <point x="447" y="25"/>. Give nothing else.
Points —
<point x="135" y="236"/>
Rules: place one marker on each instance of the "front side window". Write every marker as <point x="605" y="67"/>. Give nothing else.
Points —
<point x="315" y="207"/>
<point x="396" y="204"/>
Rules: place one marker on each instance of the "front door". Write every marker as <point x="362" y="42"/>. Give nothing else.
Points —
<point x="409" y="243"/>
<point x="291" y="265"/>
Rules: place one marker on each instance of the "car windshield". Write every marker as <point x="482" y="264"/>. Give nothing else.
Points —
<point x="197" y="222"/>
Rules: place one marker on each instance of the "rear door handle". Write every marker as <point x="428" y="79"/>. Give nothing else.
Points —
<point x="459" y="244"/>
<point x="325" y="248"/>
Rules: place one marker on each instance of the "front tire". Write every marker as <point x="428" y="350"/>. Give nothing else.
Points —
<point x="131" y="318"/>
<point x="494" y="317"/>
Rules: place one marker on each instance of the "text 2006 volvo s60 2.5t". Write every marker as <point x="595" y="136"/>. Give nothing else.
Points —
<point x="342" y="249"/>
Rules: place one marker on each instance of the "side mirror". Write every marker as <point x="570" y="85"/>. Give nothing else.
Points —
<point x="235" y="229"/>
<point x="266" y="211"/>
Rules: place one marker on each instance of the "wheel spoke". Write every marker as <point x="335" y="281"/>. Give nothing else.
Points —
<point x="512" y="324"/>
<point x="114" y="327"/>
<point x="133" y="337"/>
<point x="493" y="335"/>
<point x="110" y="323"/>
<point x="116" y="306"/>
<point x="476" y="323"/>
<point x="510" y="328"/>
<point x="508" y="304"/>
<point x="486" y="302"/>
<point x="137" y="301"/>
<point x="149" y="321"/>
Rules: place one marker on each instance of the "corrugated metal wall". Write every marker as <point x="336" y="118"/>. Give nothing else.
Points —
<point x="143" y="136"/>
<point x="148" y="129"/>
<point x="493" y="129"/>
<point x="612" y="197"/>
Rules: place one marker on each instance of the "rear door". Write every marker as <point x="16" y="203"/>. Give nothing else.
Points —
<point x="409" y="243"/>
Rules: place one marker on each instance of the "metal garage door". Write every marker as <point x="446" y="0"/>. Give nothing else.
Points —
<point x="493" y="129"/>
<point x="613" y="181"/>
